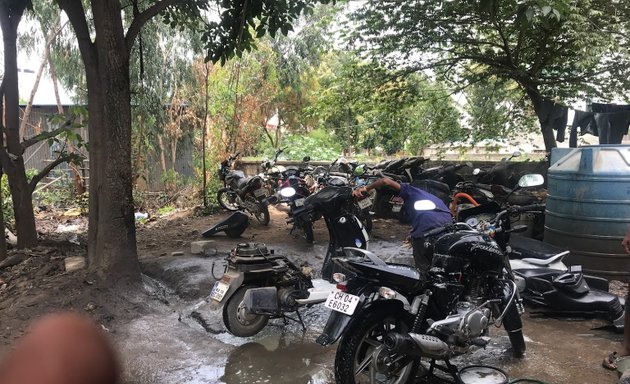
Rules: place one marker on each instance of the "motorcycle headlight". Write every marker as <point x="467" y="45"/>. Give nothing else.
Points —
<point x="287" y="192"/>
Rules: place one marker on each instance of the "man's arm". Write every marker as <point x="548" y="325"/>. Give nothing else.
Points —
<point x="376" y="184"/>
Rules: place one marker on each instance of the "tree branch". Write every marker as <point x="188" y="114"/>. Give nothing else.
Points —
<point x="45" y="135"/>
<point x="76" y="14"/>
<point x="144" y="16"/>
<point x="61" y="159"/>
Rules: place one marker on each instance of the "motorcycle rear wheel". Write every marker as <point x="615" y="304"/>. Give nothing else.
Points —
<point x="263" y="214"/>
<point x="227" y="199"/>
<point x="238" y="320"/>
<point x="354" y="361"/>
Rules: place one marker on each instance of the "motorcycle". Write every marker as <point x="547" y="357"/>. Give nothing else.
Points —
<point x="390" y="316"/>
<point x="543" y="280"/>
<point x="258" y="284"/>
<point x="294" y="191"/>
<point x="242" y="193"/>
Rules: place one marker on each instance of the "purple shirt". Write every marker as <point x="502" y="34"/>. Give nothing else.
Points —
<point x="423" y="221"/>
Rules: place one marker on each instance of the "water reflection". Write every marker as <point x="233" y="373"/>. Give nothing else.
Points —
<point x="279" y="359"/>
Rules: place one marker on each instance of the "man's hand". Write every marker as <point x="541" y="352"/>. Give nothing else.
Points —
<point x="360" y="192"/>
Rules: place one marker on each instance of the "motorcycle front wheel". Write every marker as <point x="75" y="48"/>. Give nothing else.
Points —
<point x="362" y="357"/>
<point x="227" y="199"/>
<point x="514" y="327"/>
<point x="238" y="320"/>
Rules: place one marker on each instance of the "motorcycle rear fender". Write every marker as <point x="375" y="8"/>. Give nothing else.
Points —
<point x="338" y="322"/>
<point x="236" y="279"/>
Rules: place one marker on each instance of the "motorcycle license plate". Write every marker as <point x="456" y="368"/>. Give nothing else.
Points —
<point x="259" y="192"/>
<point x="367" y="202"/>
<point x="219" y="290"/>
<point x="342" y="302"/>
<point x="299" y="202"/>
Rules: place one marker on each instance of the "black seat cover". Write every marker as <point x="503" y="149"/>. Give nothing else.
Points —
<point x="526" y="247"/>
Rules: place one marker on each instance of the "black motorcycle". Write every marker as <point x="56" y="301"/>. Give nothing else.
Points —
<point x="258" y="284"/>
<point x="242" y="193"/>
<point x="390" y="316"/>
<point x="539" y="272"/>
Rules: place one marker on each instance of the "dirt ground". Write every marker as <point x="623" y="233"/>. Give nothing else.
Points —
<point x="161" y="341"/>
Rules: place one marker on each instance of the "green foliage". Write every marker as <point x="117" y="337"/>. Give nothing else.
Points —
<point x="172" y="180"/>
<point x="166" y="210"/>
<point x="7" y="203"/>
<point x="497" y="109"/>
<point x="318" y="144"/>
<point x="554" y="48"/>
<point x="60" y="194"/>
<point x="368" y="106"/>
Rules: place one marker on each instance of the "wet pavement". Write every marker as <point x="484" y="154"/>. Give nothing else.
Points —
<point x="169" y="346"/>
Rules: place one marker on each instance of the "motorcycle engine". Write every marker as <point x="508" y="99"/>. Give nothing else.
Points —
<point x="473" y="321"/>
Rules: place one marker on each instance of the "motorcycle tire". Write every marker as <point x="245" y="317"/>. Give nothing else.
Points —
<point x="237" y="320"/>
<point x="513" y="321"/>
<point x="263" y="214"/>
<point x="262" y="211"/>
<point x="226" y="199"/>
<point x="360" y="341"/>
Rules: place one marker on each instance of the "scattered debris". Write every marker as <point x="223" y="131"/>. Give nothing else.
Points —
<point x="12" y="260"/>
<point x="200" y="247"/>
<point x="74" y="263"/>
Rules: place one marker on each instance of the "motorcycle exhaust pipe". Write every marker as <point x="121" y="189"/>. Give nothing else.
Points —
<point x="415" y="344"/>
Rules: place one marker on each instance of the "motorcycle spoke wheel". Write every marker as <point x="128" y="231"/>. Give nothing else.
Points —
<point x="363" y="359"/>
<point x="227" y="199"/>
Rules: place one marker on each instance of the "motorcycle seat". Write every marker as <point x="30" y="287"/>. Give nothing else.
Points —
<point x="535" y="251"/>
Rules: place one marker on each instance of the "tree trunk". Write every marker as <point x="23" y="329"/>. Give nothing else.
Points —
<point x="3" y="239"/>
<point x="546" y="130"/>
<point x="111" y="235"/>
<point x="12" y="160"/>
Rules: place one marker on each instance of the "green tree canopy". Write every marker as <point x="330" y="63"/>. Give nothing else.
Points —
<point x="556" y="49"/>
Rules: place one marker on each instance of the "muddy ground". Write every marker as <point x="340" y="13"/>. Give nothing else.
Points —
<point x="160" y="342"/>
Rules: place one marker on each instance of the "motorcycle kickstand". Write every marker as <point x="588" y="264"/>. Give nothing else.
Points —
<point x="298" y="320"/>
<point x="450" y="369"/>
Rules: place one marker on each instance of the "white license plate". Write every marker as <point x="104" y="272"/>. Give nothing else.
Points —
<point x="219" y="290"/>
<point x="396" y="208"/>
<point x="299" y="202"/>
<point x="367" y="202"/>
<point x="342" y="302"/>
<point x="259" y="192"/>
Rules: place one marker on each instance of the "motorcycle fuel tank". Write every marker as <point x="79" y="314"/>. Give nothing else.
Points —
<point x="454" y="251"/>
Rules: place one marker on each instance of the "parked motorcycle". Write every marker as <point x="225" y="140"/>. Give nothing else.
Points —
<point x="294" y="190"/>
<point x="242" y="193"/>
<point x="258" y="284"/>
<point x="540" y="273"/>
<point x="390" y="316"/>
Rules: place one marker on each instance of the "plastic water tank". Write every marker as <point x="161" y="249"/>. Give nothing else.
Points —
<point x="588" y="208"/>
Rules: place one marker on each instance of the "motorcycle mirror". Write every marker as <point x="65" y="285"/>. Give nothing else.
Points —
<point x="476" y="171"/>
<point x="531" y="180"/>
<point x="516" y="154"/>
<point x="287" y="192"/>
<point x="306" y="159"/>
<point x="424" y="205"/>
